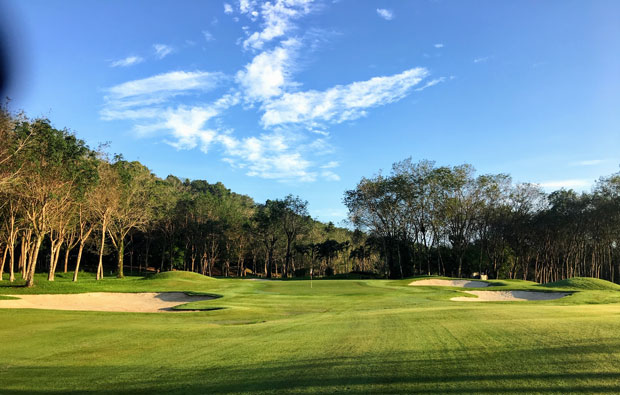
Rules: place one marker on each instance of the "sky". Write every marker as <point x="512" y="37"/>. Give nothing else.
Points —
<point x="307" y="97"/>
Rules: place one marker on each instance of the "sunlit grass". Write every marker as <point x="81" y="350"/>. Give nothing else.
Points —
<point x="358" y="336"/>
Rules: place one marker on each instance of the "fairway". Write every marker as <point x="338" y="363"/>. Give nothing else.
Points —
<point x="354" y="336"/>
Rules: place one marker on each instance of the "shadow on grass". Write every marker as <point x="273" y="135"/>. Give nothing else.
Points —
<point x="549" y="370"/>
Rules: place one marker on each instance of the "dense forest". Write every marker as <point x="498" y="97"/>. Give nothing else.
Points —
<point x="62" y="202"/>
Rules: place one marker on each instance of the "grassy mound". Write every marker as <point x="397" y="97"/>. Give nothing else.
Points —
<point x="588" y="283"/>
<point x="180" y="276"/>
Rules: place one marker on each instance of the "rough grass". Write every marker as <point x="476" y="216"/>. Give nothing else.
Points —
<point x="355" y="336"/>
<point x="584" y="283"/>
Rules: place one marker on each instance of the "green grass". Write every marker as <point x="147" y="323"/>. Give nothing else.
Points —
<point x="353" y="336"/>
<point x="584" y="283"/>
<point x="179" y="276"/>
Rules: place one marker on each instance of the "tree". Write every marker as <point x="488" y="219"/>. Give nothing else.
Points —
<point x="132" y="210"/>
<point x="52" y="170"/>
<point x="374" y="205"/>
<point x="295" y="220"/>
<point x="268" y="219"/>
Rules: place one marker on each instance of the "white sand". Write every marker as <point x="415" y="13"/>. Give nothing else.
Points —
<point x="450" y="283"/>
<point x="148" y="302"/>
<point x="502" y="296"/>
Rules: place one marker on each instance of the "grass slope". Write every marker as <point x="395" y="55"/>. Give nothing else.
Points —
<point x="179" y="276"/>
<point x="355" y="336"/>
<point x="584" y="283"/>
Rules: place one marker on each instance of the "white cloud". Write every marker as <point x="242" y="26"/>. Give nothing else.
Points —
<point x="277" y="19"/>
<point x="269" y="156"/>
<point x="187" y="126"/>
<point x="128" y="61"/>
<point x="592" y="162"/>
<point x="268" y="73"/>
<point x="438" y="45"/>
<point x="148" y="102"/>
<point x="330" y="175"/>
<point x="482" y="59"/>
<point x="247" y="6"/>
<point x="170" y="83"/>
<point x="294" y="145"/>
<point x="330" y="165"/>
<point x="342" y="102"/>
<point x="570" y="183"/>
<point x="432" y="83"/>
<point x="386" y="14"/>
<point x="208" y="36"/>
<point x="162" y="50"/>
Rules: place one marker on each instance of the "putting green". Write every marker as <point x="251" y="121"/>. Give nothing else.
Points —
<point x="357" y="336"/>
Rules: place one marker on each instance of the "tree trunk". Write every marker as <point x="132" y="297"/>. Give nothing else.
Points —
<point x="121" y="255"/>
<point x="287" y="259"/>
<point x="11" y="263"/>
<point x="33" y="262"/>
<point x="6" y="250"/>
<point x="270" y="261"/>
<point x="100" y="266"/>
<point x="77" y="264"/>
<point x="67" y="259"/>
<point x="55" y="254"/>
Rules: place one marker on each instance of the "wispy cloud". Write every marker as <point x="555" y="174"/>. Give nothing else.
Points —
<point x="386" y="14"/>
<point x="143" y="98"/>
<point x="128" y="61"/>
<point x="278" y="17"/>
<point x="592" y="162"/>
<point x="432" y="83"/>
<point x="162" y="50"/>
<point x="208" y="35"/>
<point x="169" y="83"/>
<point x="330" y="165"/>
<point x="342" y="102"/>
<point x="270" y="155"/>
<point x="569" y="184"/>
<point x="439" y="45"/>
<point x="228" y="8"/>
<point x="482" y="59"/>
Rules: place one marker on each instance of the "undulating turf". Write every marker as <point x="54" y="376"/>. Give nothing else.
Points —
<point x="179" y="276"/>
<point x="582" y="283"/>
<point x="331" y="336"/>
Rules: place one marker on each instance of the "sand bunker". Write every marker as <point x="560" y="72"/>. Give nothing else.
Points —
<point x="503" y="296"/>
<point x="148" y="302"/>
<point x="450" y="283"/>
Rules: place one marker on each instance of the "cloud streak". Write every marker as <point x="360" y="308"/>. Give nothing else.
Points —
<point x="162" y="50"/>
<point x="592" y="162"/>
<point x="342" y="102"/>
<point x="128" y="61"/>
<point x="386" y="14"/>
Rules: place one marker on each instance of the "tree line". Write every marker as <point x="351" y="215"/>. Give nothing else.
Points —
<point x="429" y="219"/>
<point x="63" y="203"/>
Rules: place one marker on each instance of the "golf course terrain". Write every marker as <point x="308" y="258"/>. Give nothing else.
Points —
<point x="325" y="336"/>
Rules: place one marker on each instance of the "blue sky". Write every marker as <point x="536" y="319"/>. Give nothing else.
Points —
<point x="307" y="97"/>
